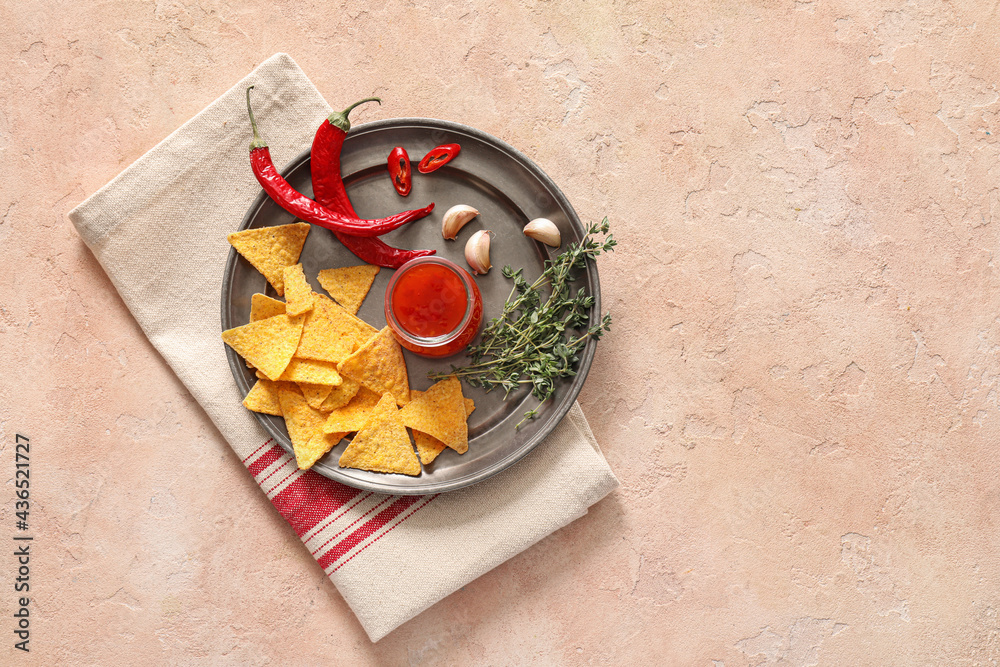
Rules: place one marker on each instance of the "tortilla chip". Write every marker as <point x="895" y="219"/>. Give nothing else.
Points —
<point x="353" y="415"/>
<point x="263" y="397"/>
<point x="315" y="394"/>
<point x="361" y="330"/>
<point x="428" y="447"/>
<point x="298" y="293"/>
<point x="311" y="372"/>
<point x="379" y="365"/>
<point x="271" y="249"/>
<point x="263" y="307"/>
<point x="267" y="344"/>
<point x="348" y="285"/>
<point x="340" y="396"/>
<point x="382" y="444"/>
<point x="301" y="421"/>
<point x="330" y="333"/>
<point x="304" y="424"/>
<point x="317" y="446"/>
<point x="440" y="412"/>
<point x="470" y="405"/>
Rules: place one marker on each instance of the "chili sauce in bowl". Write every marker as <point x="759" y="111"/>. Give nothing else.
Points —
<point x="433" y="306"/>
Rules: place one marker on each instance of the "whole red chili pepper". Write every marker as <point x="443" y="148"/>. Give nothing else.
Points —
<point x="399" y="170"/>
<point x="438" y="157"/>
<point x="328" y="189"/>
<point x="299" y="205"/>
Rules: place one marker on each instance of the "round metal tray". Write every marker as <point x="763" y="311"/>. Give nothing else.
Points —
<point x="508" y="189"/>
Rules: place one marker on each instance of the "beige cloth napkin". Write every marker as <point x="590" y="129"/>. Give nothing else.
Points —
<point x="159" y="230"/>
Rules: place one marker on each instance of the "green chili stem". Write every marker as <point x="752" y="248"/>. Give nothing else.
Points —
<point x="339" y="118"/>
<point x="257" y="141"/>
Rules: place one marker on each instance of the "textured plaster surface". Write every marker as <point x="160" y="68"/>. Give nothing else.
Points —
<point x="799" y="394"/>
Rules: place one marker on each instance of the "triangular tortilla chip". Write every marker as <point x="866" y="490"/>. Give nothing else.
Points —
<point x="263" y="397"/>
<point x="428" y="447"/>
<point x="330" y="333"/>
<point x="382" y="444"/>
<point x="271" y="249"/>
<point x="348" y="285"/>
<point x="341" y="396"/>
<point x="267" y="344"/>
<point x="298" y="293"/>
<point x="440" y="412"/>
<point x="305" y="427"/>
<point x="361" y="330"/>
<point x="352" y="416"/>
<point x="311" y="371"/>
<point x="317" y="446"/>
<point x="379" y="365"/>
<point x="315" y="394"/>
<point x="263" y="307"/>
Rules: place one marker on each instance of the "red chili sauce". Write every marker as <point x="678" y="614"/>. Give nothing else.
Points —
<point x="429" y="300"/>
<point x="432" y="309"/>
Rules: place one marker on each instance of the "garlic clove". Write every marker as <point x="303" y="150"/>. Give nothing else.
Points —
<point x="477" y="251"/>
<point x="455" y="218"/>
<point x="544" y="230"/>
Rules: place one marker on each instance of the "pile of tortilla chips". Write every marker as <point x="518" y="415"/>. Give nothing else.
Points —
<point x="329" y="373"/>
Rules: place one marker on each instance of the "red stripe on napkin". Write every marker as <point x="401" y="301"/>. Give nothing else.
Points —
<point x="366" y="530"/>
<point x="353" y="523"/>
<point x="310" y="499"/>
<point x="398" y="523"/>
<point x="265" y="460"/>
<point x="294" y="471"/>
<point x="334" y="517"/>
<point x="268" y="442"/>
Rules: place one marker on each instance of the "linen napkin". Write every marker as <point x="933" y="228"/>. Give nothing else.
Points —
<point x="159" y="230"/>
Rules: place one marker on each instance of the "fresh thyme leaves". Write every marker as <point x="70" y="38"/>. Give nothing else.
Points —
<point x="537" y="340"/>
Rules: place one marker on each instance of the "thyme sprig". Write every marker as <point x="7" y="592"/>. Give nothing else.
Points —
<point x="537" y="340"/>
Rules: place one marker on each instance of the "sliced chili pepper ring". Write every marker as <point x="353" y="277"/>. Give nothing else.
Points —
<point x="438" y="157"/>
<point x="399" y="170"/>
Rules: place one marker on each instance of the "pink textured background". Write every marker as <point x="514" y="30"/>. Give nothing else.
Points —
<point x="799" y="394"/>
